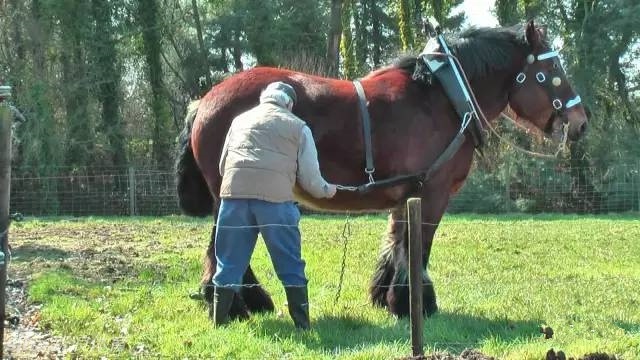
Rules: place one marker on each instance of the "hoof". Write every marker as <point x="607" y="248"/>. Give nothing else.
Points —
<point x="207" y="292"/>
<point x="430" y="309"/>
<point x="197" y="296"/>
<point x="429" y="303"/>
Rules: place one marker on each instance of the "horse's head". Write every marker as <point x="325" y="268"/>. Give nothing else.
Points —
<point x="542" y="94"/>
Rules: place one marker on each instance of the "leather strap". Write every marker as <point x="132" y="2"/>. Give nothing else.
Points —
<point x="366" y="130"/>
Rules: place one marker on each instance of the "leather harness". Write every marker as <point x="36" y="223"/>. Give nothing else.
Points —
<point x="449" y="76"/>
<point x="458" y="92"/>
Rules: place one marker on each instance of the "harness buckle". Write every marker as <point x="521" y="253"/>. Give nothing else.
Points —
<point x="557" y="104"/>
<point x="466" y="119"/>
<point x="370" y="173"/>
<point x="521" y="78"/>
<point x="540" y="77"/>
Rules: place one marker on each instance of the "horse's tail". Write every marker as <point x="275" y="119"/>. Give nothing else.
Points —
<point x="194" y="196"/>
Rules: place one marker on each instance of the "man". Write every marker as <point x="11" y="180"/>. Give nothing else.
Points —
<point x="267" y="150"/>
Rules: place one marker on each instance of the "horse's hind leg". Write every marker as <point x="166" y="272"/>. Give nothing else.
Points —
<point x="253" y="298"/>
<point x="256" y="298"/>
<point x="238" y="309"/>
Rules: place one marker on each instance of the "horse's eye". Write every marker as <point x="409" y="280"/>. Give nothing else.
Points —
<point x="555" y="65"/>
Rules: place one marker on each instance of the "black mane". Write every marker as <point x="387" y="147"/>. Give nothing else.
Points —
<point x="479" y="50"/>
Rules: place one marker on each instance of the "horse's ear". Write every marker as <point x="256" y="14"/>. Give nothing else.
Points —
<point x="532" y="34"/>
<point x="542" y="30"/>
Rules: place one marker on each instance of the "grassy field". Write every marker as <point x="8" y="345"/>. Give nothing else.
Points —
<point x="118" y="288"/>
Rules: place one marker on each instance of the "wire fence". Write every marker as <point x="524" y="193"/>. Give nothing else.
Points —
<point x="552" y="189"/>
<point x="151" y="192"/>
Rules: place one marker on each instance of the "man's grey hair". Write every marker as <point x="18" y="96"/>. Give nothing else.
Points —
<point x="275" y="96"/>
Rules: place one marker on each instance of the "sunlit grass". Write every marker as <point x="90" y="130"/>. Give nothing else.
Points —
<point x="119" y="287"/>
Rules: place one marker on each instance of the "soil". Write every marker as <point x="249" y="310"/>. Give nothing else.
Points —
<point x="468" y="354"/>
<point x="23" y="339"/>
<point x="559" y="355"/>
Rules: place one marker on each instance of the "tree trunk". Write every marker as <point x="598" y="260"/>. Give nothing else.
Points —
<point x="43" y="150"/>
<point x="346" y="45"/>
<point x="74" y="87"/>
<point x="361" y="21"/>
<point x="531" y="9"/>
<point x="149" y="18"/>
<point x="236" y="51"/>
<point x="507" y="12"/>
<point x="404" y="23"/>
<point x="107" y="79"/>
<point x="17" y="21"/>
<point x="438" y="11"/>
<point x="617" y="78"/>
<point x="333" y="38"/>
<point x="376" y="34"/>
<point x="203" y="49"/>
<point x="259" y="35"/>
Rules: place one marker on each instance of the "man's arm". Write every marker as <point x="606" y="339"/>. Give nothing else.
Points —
<point x="309" y="176"/>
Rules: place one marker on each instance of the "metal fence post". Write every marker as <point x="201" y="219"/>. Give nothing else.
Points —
<point x="414" y="215"/>
<point x="5" y="191"/>
<point x="132" y="191"/>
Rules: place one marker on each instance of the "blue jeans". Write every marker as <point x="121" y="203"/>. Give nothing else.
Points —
<point x="239" y="221"/>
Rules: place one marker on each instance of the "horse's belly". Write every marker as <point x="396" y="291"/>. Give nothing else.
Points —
<point x="346" y="201"/>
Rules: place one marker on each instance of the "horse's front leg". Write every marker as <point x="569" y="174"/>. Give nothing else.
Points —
<point x="432" y="213"/>
<point x="390" y="287"/>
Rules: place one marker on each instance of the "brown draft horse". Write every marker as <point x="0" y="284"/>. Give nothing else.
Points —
<point x="412" y="122"/>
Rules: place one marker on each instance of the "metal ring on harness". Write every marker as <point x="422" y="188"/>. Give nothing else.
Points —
<point x="466" y="119"/>
<point x="370" y="173"/>
<point x="557" y="104"/>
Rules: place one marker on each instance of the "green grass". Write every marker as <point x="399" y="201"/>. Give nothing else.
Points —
<point x="118" y="288"/>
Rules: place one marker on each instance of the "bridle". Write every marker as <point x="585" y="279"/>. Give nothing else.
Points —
<point x="550" y="81"/>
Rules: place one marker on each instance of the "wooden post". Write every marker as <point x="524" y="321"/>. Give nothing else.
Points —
<point x="414" y="210"/>
<point x="5" y="183"/>
<point x="132" y="191"/>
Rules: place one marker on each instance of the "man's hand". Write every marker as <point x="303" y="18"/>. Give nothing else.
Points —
<point x="331" y="190"/>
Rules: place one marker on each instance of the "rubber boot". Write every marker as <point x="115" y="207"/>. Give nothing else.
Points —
<point x="298" y="302"/>
<point x="219" y="309"/>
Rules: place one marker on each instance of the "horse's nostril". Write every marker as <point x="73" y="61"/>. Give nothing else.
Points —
<point x="583" y="128"/>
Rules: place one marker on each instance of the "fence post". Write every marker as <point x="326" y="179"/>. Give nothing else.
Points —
<point x="5" y="191"/>
<point x="414" y="210"/>
<point x="132" y="191"/>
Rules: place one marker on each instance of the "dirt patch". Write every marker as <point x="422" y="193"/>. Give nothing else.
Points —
<point x="23" y="338"/>
<point x="560" y="355"/>
<point x="468" y="354"/>
<point x="103" y="255"/>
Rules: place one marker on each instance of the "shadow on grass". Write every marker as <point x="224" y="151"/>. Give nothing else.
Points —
<point x="27" y="253"/>
<point x="452" y="332"/>
<point x="629" y="328"/>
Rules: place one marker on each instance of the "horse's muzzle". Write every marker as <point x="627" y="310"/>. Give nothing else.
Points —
<point x="577" y="119"/>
